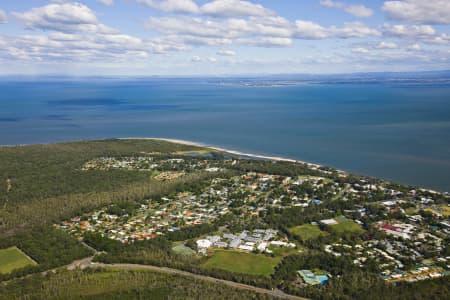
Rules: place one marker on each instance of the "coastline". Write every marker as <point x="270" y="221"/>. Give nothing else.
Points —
<point x="251" y="155"/>
<point x="245" y="154"/>
<point x="234" y="152"/>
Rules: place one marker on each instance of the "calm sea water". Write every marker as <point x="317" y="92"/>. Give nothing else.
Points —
<point x="393" y="131"/>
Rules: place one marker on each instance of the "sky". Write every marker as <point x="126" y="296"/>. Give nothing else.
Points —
<point x="222" y="37"/>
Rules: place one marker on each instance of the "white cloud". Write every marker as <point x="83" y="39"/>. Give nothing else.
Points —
<point x="409" y="31"/>
<point x="82" y="47"/>
<point x="415" y="47"/>
<point x="314" y="31"/>
<point x="224" y="52"/>
<point x="443" y="39"/>
<point x="234" y="8"/>
<point x="252" y="31"/>
<point x="61" y="17"/>
<point x="356" y="10"/>
<point x="190" y="26"/>
<point x="216" y="8"/>
<point x="423" y="33"/>
<point x="3" y="18"/>
<point x="179" y="6"/>
<point x="310" y="30"/>
<point x="386" y="45"/>
<point x="360" y="50"/>
<point x="75" y="34"/>
<point x="69" y="32"/>
<point x="266" y="42"/>
<point x="107" y="2"/>
<point x="199" y="40"/>
<point x="419" y="11"/>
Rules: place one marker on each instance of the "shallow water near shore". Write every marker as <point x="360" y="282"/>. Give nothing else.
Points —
<point x="388" y="130"/>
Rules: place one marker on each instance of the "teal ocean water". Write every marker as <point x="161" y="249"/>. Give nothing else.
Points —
<point x="395" y="131"/>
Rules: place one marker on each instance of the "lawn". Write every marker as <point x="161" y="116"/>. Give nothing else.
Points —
<point x="242" y="262"/>
<point x="307" y="231"/>
<point x="12" y="258"/>
<point x="347" y="226"/>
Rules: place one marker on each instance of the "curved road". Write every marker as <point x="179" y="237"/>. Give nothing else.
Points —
<point x="87" y="263"/>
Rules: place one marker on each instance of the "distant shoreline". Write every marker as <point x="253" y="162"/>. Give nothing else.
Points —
<point x="191" y="143"/>
<point x="235" y="152"/>
<point x="251" y="155"/>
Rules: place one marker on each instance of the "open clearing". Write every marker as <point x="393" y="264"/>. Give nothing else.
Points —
<point x="12" y="258"/>
<point x="307" y="231"/>
<point x="241" y="262"/>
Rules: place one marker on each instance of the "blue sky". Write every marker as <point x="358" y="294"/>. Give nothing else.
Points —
<point x="222" y="37"/>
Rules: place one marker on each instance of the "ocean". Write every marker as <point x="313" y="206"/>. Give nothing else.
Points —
<point x="393" y="130"/>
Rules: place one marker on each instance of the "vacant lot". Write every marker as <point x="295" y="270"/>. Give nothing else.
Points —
<point x="307" y="231"/>
<point x="12" y="259"/>
<point x="241" y="262"/>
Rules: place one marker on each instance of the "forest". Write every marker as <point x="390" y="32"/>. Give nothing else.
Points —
<point x="116" y="284"/>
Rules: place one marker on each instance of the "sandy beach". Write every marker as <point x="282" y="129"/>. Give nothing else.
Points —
<point x="234" y="152"/>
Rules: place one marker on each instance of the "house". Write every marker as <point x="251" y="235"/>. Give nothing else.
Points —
<point x="229" y="236"/>
<point x="399" y="230"/>
<point x="235" y="243"/>
<point x="261" y="247"/>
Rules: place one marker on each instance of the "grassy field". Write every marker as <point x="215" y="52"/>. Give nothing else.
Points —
<point x="347" y="226"/>
<point x="307" y="231"/>
<point x="241" y="262"/>
<point x="12" y="258"/>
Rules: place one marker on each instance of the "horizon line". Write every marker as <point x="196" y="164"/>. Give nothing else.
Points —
<point x="223" y="75"/>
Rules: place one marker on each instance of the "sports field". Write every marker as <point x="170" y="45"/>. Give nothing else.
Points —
<point x="242" y="262"/>
<point x="12" y="258"/>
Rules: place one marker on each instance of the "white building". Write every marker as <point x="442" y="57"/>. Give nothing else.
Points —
<point x="204" y="244"/>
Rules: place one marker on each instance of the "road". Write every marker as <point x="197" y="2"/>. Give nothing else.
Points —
<point x="87" y="263"/>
